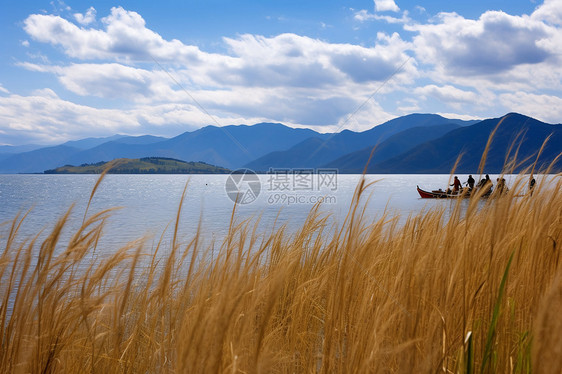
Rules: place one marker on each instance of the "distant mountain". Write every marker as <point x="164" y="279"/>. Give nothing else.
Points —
<point x="416" y="143"/>
<point x="309" y="153"/>
<point x="147" y="165"/>
<point x="516" y="135"/>
<point x="231" y="146"/>
<point x="234" y="146"/>
<point x="38" y="160"/>
<point x="355" y="162"/>
<point x="143" y="139"/>
<point x="120" y="147"/>
<point x="9" y="150"/>
<point x="12" y="149"/>
<point x="314" y="153"/>
<point x="91" y="142"/>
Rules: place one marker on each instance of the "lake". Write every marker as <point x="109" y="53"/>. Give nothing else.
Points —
<point x="148" y="203"/>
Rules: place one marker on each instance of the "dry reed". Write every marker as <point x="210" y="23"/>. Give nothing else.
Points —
<point x="476" y="291"/>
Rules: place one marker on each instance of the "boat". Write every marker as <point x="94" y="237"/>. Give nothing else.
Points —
<point x="440" y="194"/>
<point x="435" y="194"/>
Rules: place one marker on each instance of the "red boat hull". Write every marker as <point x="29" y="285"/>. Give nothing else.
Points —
<point x="444" y="195"/>
<point x="437" y="194"/>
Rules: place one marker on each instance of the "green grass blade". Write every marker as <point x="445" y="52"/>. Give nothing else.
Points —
<point x="495" y="316"/>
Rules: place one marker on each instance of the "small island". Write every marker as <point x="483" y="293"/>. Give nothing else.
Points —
<point x="145" y="165"/>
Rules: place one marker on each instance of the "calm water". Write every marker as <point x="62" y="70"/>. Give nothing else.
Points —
<point x="150" y="202"/>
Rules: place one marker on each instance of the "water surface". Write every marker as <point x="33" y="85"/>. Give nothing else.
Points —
<point x="149" y="203"/>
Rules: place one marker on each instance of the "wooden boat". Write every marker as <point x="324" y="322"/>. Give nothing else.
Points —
<point x="440" y="194"/>
<point x="435" y="194"/>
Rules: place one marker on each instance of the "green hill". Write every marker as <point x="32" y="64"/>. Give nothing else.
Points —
<point x="146" y="165"/>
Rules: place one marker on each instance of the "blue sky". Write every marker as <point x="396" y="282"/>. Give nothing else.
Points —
<point x="73" y="69"/>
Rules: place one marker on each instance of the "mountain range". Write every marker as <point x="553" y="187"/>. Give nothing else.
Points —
<point x="415" y="143"/>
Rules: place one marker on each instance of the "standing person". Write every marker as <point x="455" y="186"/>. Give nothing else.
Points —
<point x="456" y="185"/>
<point x="470" y="182"/>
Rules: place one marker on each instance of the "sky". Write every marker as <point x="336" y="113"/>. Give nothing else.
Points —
<point x="73" y="69"/>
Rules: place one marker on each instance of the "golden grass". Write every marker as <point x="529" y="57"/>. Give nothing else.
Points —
<point x="435" y="294"/>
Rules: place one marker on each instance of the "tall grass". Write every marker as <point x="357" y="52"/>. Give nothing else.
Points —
<point x="476" y="291"/>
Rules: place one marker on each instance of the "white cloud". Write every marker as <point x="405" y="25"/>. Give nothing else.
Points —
<point x="284" y="60"/>
<point x="125" y="37"/>
<point x="386" y="5"/>
<point x="3" y="90"/>
<point x="302" y="81"/>
<point x="464" y="117"/>
<point x="491" y="57"/>
<point x="291" y="78"/>
<point x="292" y="105"/>
<point x="495" y="43"/>
<point x="550" y="11"/>
<point x="409" y="105"/>
<point x="297" y="61"/>
<point x="546" y="108"/>
<point x="44" y="117"/>
<point x="364" y="16"/>
<point x="86" y="19"/>
<point x="46" y="93"/>
<point x="449" y="94"/>
<point x="25" y="43"/>
<point x="107" y="80"/>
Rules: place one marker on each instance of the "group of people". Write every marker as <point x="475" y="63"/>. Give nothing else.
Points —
<point x="485" y="183"/>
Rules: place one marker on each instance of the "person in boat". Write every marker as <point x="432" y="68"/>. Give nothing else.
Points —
<point x="456" y="185"/>
<point x="501" y="187"/>
<point x="470" y="182"/>
<point x="484" y="181"/>
<point x="485" y="184"/>
<point x="531" y="184"/>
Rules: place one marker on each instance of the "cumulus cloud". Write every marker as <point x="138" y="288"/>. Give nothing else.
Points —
<point x="550" y="11"/>
<point x="462" y="63"/>
<point x="292" y="60"/>
<point x="363" y="15"/>
<point x="292" y="78"/>
<point x="386" y="5"/>
<point x="283" y="60"/>
<point x="543" y="107"/>
<point x="43" y="117"/>
<point x="107" y="80"/>
<point x="448" y="94"/>
<point x="86" y="19"/>
<point x="125" y="37"/>
<point x="494" y="43"/>
<point x="288" y="104"/>
<point x="464" y="117"/>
